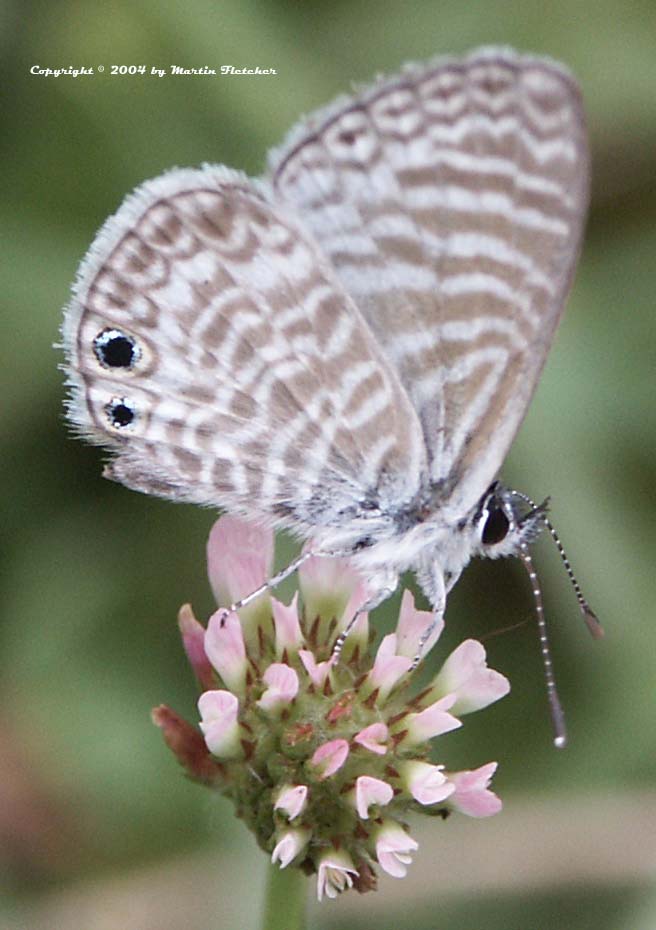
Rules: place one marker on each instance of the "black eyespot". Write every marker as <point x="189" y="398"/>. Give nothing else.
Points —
<point x="496" y="527"/>
<point x="115" y="349"/>
<point x="120" y="412"/>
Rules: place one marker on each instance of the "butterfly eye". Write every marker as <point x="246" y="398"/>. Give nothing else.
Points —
<point x="120" y="412"/>
<point x="115" y="349"/>
<point x="496" y="527"/>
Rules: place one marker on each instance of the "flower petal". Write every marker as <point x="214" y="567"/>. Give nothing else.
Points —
<point x="386" y="648"/>
<point x="224" y="647"/>
<point x="357" y="599"/>
<point x="472" y="795"/>
<point x="465" y="674"/>
<point x="218" y="711"/>
<point x="412" y="625"/>
<point x="326" y="585"/>
<point x="330" y="757"/>
<point x="370" y="791"/>
<point x="388" y="668"/>
<point x="193" y="640"/>
<point x="239" y="558"/>
<point x="373" y="738"/>
<point x="318" y="671"/>
<point x="282" y="682"/>
<point x="287" y="627"/>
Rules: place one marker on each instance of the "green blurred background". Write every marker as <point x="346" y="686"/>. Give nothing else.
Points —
<point x="98" y="828"/>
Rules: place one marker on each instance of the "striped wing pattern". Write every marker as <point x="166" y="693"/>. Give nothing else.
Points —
<point x="361" y="332"/>
<point x="257" y="385"/>
<point x="450" y="201"/>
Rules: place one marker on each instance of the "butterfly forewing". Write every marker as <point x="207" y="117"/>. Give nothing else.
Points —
<point x="450" y="200"/>
<point x="212" y="347"/>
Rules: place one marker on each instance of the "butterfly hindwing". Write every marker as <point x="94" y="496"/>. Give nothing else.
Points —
<point x="211" y="347"/>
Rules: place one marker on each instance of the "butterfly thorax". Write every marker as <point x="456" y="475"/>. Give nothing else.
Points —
<point x="382" y="546"/>
<point x="438" y="550"/>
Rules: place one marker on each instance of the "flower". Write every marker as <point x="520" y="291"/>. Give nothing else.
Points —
<point x="374" y="737"/>
<point x="288" y="633"/>
<point x="317" y="671"/>
<point x="412" y="626"/>
<point x="393" y="848"/>
<point x="282" y="688"/>
<point x="388" y="668"/>
<point x="291" y="800"/>
<point x="290" y="845"/>
<point x="329" y="758"/>
<point x="193" y="640"/>
<point x="226" y="650"/>
<point x="432" y="721"/>
<point x="218" y="722"/>
<point x="239" y="560"/>
<point x="324" y="758"/>
<point x="465" y="674"/>
<point x="371" y="792"/>
<point x="472" y="795"/>
<point x="335" y="872"/>
<point x="427" y="783"/>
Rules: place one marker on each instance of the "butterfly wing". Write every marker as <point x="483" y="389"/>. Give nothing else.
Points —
<point x="451" y="200"/>
<point x="212" y="349"/>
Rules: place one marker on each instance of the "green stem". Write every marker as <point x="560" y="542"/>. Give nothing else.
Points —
<point x="284" y="905"/>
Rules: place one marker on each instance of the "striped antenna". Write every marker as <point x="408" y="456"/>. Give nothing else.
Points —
<point x="557" y="715"/>
<point x="589" y="616"/>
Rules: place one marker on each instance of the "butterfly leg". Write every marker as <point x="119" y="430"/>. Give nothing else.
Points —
<point x="270" y="583"/>
<point x="425" y="636"/>
<point x="273" y="582"/>
<point x="433" y="585"/>
<point x="383" y="584"/>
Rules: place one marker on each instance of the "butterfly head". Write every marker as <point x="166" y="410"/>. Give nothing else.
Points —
<point x="500" y="528"/>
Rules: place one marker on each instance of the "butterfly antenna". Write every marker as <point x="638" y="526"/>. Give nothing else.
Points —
<point x="589" y="616"/>
<point x="557" y="715"/>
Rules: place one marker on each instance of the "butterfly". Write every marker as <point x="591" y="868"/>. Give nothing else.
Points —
<point x="346" y="347"/>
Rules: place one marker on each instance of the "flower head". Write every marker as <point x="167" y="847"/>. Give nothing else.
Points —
<point x="324" y="758"/>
